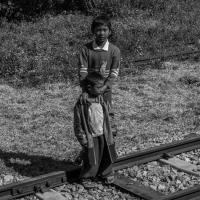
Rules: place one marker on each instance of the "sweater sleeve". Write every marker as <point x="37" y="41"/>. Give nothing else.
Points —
<point x="83" y="64"/>
<point x="78" y="130"/>
<point x="114" y="69"/>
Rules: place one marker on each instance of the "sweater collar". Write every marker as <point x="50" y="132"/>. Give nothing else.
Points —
<point x="104" y="48"/>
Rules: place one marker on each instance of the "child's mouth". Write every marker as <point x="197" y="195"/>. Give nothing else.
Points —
<point x="101" y="38"/>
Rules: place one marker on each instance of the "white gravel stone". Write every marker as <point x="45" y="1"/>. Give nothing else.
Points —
<point x="161" y="187"/>
<point x="67" y="196"/>
<point x="8" y="179"/>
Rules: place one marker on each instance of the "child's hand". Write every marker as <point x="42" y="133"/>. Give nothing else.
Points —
<point x="99" y="90"/>
<point x="84" y="145"/>
<point x="102" y="89"/>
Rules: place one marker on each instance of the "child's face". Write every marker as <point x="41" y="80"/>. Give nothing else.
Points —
<point x="101" y="33"/>
<point x="95" y="90"/>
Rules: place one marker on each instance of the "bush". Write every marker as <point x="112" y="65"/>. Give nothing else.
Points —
<point x="26" y="9"/>
<point x="46" y="50"/>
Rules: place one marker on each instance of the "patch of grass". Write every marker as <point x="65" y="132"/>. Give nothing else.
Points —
<point x="45" y="51"/>
<point x="155" y="106"/>
<point x="38" y="121"/>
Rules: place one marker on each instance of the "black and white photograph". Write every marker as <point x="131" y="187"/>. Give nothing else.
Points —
<point x="100" y="100"/>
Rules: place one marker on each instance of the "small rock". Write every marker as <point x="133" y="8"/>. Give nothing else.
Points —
<point x="145" y="173"/>
<point x="116" y="197"/>
<point x="73" y="188"/>
<point x="172" y="189"/>
<point x="68" y="196"/>
<point x="100" y="187"/>
<point x="155" y="163"/>
<point x="8" y="179"/>
<point x="89" y="197"/>
<point x="150" y="167"/>
<point x="178" y="182"/>
<point x="75" y="195"/>
<point x="146" y="183"/>
<point x="1" y="182"/>
<point x="154" y="187"/>
<point x="135" y="168"/>
<point x="161" y="187"/>
<point x="198" y="167"/>
<point x="187" y="159"/>
<point x="81" y="189"/>
<point x="81" y="198"/>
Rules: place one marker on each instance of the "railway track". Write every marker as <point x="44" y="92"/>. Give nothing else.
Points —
<point x="43" y="183"/>
<point x="156" y="60"/>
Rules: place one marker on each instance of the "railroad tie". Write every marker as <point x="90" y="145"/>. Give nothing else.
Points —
<point x="181" y="165"/>
<point x="136" y="188"/>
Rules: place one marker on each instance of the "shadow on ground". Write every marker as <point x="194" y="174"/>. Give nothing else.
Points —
<point x="33" y="165"/>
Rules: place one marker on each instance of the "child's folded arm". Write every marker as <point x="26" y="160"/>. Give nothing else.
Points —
<point x="114" y="70"/>
<point x="103" y="89"/>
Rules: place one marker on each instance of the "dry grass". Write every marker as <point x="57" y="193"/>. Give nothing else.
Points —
<point x="38" y="121"/>
<point x="156" y="106"/>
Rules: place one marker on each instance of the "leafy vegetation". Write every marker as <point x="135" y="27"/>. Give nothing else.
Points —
<point x="45" y="49"/>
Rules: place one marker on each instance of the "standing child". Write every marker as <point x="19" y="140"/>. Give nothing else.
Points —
<point x="102" y="57"/>
<point x="92" y="129"/>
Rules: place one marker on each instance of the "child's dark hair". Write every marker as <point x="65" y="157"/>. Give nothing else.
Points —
<point x="101" y="20"/>
<point x="93" y="78"/>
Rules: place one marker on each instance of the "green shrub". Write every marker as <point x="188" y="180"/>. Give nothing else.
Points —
<point x="25" y="9"/>
<point x="46" y="50"/>
<point x="40" y="52"/>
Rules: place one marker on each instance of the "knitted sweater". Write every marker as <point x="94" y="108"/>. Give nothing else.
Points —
<point x="104" y="60"/>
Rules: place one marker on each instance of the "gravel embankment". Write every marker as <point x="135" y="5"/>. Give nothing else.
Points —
<point x="160" y="177"/>
<point x="192" y="157"/>
<point x="92" y="191"/>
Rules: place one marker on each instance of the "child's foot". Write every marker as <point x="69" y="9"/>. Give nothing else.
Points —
<point x="78" y="161"/>
<point x="87" y="183"/>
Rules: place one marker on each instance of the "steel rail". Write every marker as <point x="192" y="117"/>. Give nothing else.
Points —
<point x="29" y="186"/>
<point x="38" y="184"/>
<point x="156" y="153"/>
<point x="165" y="57"/>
